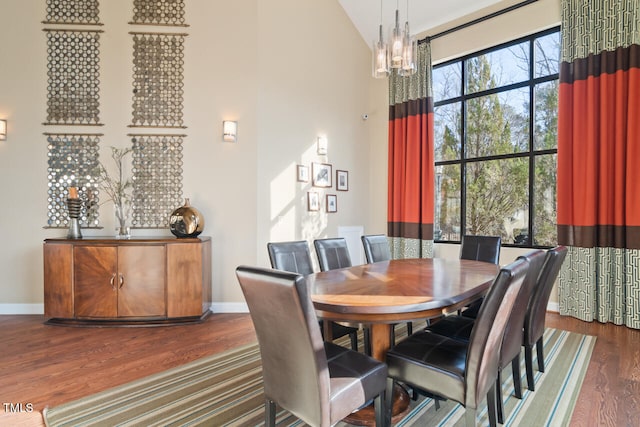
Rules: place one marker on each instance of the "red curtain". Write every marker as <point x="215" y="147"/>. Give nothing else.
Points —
<point x="599" y="150"/>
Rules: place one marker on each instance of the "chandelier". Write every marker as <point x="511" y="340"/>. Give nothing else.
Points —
<point x="400" y="54"/>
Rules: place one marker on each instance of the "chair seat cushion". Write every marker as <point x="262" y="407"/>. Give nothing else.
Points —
<point x="456" y="327"/>
<point x="355" y="379"/>
<point x="426" y="360"/>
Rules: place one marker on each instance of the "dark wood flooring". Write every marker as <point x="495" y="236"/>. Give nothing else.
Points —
<point x="44" y="366"/>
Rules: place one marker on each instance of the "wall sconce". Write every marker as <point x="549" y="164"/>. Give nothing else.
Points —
<point x="229" y="131"/>
<point x="323" y="143"/>
<point x="3" y="130"/>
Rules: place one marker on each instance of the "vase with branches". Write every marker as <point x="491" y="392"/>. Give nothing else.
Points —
<point x="117" y="189"/>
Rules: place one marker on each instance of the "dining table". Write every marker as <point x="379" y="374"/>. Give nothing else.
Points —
<point x="381" y="294"/>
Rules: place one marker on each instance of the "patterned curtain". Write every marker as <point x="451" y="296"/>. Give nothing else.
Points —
<point x="411" y="161"/>
<point x="599" y="161"/>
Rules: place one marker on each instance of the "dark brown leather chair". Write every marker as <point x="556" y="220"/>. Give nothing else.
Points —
<point x="295" y="257"/>
<point x="319" y="382"/>
<point x="332" y="253"/>
<point x="455" y="369"/>
<point x="481" y="248"/>
<point x="534" y="321"/>
<point x="376" y="247"/>
<point x="459" y="327"/>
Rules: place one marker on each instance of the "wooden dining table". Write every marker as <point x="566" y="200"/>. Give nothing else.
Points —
<point x="381" y="294"/>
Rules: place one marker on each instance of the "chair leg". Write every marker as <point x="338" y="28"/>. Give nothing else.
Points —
<point x="269" y="413"/>
<point x="498" y="398"/>
<point x="515" y="370"/>
<point x="354" y="340"/>
<point x="528" y="361"/>
<point x="492" y="406"/>
<point x="388" y="401"/>
<point x="470" y="417"/>
<point x="540" y="351"/>
<point x="380" y="410"/>
<point x="366" y="332"/>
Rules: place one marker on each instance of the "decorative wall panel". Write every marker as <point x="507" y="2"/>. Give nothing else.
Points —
<point x="73" y="84"/>
<point x="72" y="12"/>
<point x="157" y="179"/>
<point x="158" y="87"/>
<point x="73" y="159"/>
<point x="159" y="12"/>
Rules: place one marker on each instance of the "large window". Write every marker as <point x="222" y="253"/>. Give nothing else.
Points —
<point x="496" y="142"/>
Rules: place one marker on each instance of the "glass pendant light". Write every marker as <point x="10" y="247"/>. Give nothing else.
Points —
<point x="380" y="68"/>
<point x="396" y="41"/>
<point x="409" y="50"/>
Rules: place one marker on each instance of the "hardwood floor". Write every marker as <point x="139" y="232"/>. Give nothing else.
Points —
<point x="44" y="366"/>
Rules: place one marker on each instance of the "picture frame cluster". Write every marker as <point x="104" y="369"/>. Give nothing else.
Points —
<point x="321" y="176"/>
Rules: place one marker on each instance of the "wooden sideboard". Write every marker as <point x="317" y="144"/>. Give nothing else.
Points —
<point x="139" y="281"/>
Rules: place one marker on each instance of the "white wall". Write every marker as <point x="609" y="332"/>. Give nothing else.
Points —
<point x="287" y="71"/>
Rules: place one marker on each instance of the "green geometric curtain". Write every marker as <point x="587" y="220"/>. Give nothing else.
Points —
<point x="599" y="161"/>
<point x="410" y="207"/>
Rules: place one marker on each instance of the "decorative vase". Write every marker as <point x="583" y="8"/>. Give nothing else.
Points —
<point x="186" y="221"/>
<point x="122" y="213"/>
<point x="74" y="206"/>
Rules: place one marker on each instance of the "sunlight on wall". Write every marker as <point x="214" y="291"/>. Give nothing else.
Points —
<point x="289" y="214"/>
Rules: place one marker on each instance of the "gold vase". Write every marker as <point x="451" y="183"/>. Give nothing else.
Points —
<point x="186" y="221"/>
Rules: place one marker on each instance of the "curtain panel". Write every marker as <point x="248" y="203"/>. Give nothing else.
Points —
<point x="598" y="161"/>
<point x="411" y="161"/>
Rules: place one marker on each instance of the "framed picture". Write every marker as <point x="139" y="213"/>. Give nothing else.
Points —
<point x="313" y="201"/>
<point x="303" y="173"/>
<point x="321" y="174"/>
<point x="332" y="203"/>
<point x="342" y="180"/>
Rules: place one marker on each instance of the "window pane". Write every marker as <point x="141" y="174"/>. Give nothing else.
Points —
<point x="447" y="203"/>
<point x="497" y="198"/>
<point x="498" y="68"/>
<point x="547" y="55"/>
<point x="447" y="81"/>
<point x="544" y="190"/>
<point x="447" y="125"/>
<point x="498" y="124"/>
<point x="545" y="133"/>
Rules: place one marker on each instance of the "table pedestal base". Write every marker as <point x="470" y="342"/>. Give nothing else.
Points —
<point x="367" y="415"/>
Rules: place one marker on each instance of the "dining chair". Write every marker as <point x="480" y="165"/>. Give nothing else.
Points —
<point x="462" y="371"/>
<point x="534" y="321"/>
<point x="460" y="327"/>
<point x="479" y="248"/>
<point x="332" y="253"/>
<point x="295" y="257"/>
<point x="376" y="249"/>
<point x="317" y="381"/>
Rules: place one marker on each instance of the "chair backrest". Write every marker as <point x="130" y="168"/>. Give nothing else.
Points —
<point x="488" y="331"/>
<point x="294" y="364"/>
<point x="512" y="342"/>
<point x="291" y="256"/>
<point x="332" y="253"/>
<point x="537" y="310"/>
<point x="376" y="247"/>
<point x="481" y="248"/>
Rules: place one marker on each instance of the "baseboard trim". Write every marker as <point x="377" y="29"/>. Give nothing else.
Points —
<point x="21" y="308"/>
<point x="229" y="307"/>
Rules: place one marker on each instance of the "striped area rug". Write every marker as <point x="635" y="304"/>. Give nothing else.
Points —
<point x="226" y="390"/>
